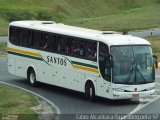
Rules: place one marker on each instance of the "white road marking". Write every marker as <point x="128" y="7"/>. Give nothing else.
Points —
<point x="45" y="99"/>
<point x="142" y="105"/>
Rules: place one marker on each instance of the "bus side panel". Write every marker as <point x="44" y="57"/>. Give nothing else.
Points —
<point x="46" y="74"/>
<point x="21" y="67"/>
<point x="104" y="88"/>
<point x="81" y="81"/>
<point x="68" y="78"/>
<point x="46" y="70"/>
<point x="11" y="65"/>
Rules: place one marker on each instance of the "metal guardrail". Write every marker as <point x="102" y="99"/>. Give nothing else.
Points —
<point x="146" y="33"/>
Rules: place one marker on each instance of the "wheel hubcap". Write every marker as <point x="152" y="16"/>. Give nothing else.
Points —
<point x="90" y="93"/>
<point x="32" y="78"/>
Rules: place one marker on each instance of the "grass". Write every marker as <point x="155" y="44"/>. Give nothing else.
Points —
<point x="155" y="42"/>
<point x="71" y="8"/>
<point x="3" y="27"/>
<point x="3" y="49"/>
<point x="117" y="15"/>
<point x="133" y="19"/>
<point x="17" y="103"/>
<point x="3" y="46"/>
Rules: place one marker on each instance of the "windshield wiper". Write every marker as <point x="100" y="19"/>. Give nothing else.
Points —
<point x="137" y="70"/>
<point x="130" y="73"/>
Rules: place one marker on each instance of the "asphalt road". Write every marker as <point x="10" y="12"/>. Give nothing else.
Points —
<point x="70" y="102"/>
<point x="146" y="33"/>
<point x="3" y="39"/>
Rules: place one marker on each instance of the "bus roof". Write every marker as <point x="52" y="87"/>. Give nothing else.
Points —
<point x="108" y="37"/>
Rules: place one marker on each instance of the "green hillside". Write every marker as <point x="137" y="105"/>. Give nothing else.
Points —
<point x="98" y="14"/>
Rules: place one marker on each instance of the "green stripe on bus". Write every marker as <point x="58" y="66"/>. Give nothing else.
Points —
<point x="23" y="55"/>
<point x="84" y="64"/>
<point x="37" y="58"/>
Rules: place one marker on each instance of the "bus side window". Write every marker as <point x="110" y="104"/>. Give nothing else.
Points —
<point x="75" y="47"/>
<point x="44" y="41"/>
<point x="35" y="39"/>
<point x="69" y="44"/>
<point x="62" y="45"/>
<point x="38" y="40"/>
<point x="54" y="43"/>
<point x="91" y="50"/>
<point x="19" y="32"/>
<point x="49" y="42"/>
<point x="11" y="34"/>
<point x="82" y="49"/>
<point x="14" y="36"/>
<point x="24" y="39"/>
<point x="31" y="39"/>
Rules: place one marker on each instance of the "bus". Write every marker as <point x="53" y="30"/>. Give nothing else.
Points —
<point x="97" y="63"/>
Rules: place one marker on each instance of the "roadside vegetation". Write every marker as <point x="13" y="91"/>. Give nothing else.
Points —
<point x="3" y="46"/>
<point x="16" y="104"/>
<point x="3" y="49"/>
<point x="134" y="19"/>
<point x="117" y="15"/>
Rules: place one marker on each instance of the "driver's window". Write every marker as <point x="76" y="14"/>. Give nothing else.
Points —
<point x="149" y="63"/>
<point x="104" y="61"/>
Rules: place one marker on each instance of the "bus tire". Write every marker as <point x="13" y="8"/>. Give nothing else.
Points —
<point x="32" y="77"/>
<point x="90" y="92"/>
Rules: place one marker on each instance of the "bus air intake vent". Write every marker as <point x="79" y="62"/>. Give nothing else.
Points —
<point x="48" y="22"/>
<point x="109" y="32"/>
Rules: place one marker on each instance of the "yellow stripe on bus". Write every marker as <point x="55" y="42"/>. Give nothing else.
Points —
<point x="24" y="52"/>
<point x="86" y="68"/>
<point x="38" y="55"/>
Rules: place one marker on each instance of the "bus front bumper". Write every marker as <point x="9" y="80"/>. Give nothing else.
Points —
<point x="132" y="95"/>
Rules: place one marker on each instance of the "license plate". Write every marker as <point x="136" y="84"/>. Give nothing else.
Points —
<point x="135" y="95"/>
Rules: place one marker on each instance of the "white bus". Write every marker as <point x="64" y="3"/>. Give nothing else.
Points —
<point x="97" y="63"/>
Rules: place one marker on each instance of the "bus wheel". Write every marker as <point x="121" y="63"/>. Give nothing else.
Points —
<point x="90" y="92"/>
<point x="32" y="77"/>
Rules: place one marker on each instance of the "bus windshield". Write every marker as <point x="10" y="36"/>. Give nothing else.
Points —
<point x="132" y="64"/>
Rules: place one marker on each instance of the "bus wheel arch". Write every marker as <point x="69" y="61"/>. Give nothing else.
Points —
<point x="31" y="76"/>
<point x="90" y="90"/>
